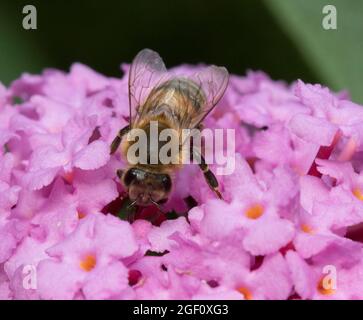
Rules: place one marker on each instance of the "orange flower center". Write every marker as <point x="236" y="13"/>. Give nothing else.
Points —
<point x="306" y="228"/>
<point x="81" y="215"/>
<point x="255" y="211"/>
<point x="88" y="263"/>
<point x="325" y="286"/>
<point x="358" y="194"/>
<point x="245" y="292"/>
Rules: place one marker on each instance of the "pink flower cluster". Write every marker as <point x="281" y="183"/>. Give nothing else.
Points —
<point x="288" y="227"/>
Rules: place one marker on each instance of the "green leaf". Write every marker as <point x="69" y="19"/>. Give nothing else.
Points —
<point x="20" y="50"/>
<point x="336" y="55"/>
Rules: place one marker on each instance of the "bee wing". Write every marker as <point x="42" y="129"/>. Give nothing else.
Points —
<point x="212" y="82"/>
<point x="146" y="72"/>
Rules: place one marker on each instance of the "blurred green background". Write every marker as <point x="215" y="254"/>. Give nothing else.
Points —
<point x="285" y="38"/>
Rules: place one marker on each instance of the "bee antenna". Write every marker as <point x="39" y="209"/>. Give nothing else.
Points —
<point x="157" y="205"/>
<point x="132" y="204"/>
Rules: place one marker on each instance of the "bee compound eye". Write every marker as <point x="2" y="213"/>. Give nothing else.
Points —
<point x="166" y="181"/>
<point x="130" y="176"/>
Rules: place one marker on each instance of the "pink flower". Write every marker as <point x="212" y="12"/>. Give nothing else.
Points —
<point x="72" y="150"/>
<point x="8" y="239"/>
<point x="159" y="238"/>
<point x="9" y="191"/>
<point x="327" y="211"/>
<point x="324" y="279"/>
<point x="94" y="189"/>
<point x="283" y="230"/>
<point x="5" y="292"/>
<point x="88" y="260"/>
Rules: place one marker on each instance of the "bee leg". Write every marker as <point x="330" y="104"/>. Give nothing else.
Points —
<point x="208" y="174"/>
<point x="211" y="179"/>
<point x="116" y="142"/>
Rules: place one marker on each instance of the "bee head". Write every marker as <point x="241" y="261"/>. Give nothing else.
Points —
<point x="146" y="187"/>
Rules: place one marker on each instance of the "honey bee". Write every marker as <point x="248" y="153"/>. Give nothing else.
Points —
<point x="174" y="102"/>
